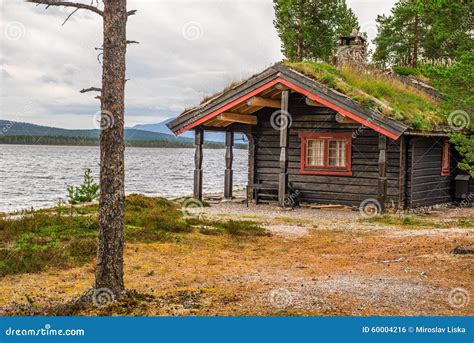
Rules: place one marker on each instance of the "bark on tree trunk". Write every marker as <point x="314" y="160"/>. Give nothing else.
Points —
<point x="299" y="43"/>
<point x="109" y="272"/>
<point x="416" y="41"/>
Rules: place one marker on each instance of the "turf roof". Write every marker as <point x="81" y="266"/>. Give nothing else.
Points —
<point x="378" y="92"/>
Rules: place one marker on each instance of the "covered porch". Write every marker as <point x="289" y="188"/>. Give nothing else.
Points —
<point x="241" y="118"/>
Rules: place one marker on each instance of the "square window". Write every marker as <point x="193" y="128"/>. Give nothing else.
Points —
<point x="325" y="153"/>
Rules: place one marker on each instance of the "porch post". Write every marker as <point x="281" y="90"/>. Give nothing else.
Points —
<point x="383" y="162"/>
<point x="251" y="164"/>
<point x="198" y="141"/>
<point x="229" y="155"/>
<point x="283" y="177"/>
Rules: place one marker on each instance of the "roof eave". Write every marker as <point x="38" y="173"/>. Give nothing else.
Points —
<point x="390" y="127"/>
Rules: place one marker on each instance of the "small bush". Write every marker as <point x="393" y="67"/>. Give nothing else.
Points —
<point x="87" y="192"/>
<point x="406" y="71"/>
<point x="40" y="240"/>
<point x="138" y="202"/>
<point x="154" y="214"/>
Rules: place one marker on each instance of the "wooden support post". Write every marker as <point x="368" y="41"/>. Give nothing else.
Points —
<point x="198" y="141"/>
<point x="251" y="164"/>
<point x="283" y="176"/>
<point x="229" y="156"/>
<point x="383" y="164"/>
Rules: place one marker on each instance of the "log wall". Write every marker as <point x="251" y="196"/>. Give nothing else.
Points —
<point x="425" y="185"/>
<point x="326" y="189"/>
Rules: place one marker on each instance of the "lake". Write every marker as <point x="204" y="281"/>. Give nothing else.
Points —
<point x="37" y="176"/>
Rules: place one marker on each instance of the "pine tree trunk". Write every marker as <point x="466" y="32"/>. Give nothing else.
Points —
<point x="299" y="43"/>
<point x="299" y="48"/>
<point x="416" y="41"/>
<point x="109" y="272"/>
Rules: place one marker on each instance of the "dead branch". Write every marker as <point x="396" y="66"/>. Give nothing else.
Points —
<point x="76" y="5"/>
<point x="69" y="16"/>
<point x="132" y="12"/>
<point x="91" y="89"/>
<point x="132" y="42"/>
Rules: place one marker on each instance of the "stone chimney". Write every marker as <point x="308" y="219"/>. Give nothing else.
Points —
<point x="352" y="50"/>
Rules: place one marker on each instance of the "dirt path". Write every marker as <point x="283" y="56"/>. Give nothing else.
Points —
<point x="316" y="263"/>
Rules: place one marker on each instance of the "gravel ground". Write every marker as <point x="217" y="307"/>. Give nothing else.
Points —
<point x="363" y="291"/>
<point x="300" y="221"/>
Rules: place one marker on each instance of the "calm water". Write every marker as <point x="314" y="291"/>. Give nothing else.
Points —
<point x="38" y="175"/>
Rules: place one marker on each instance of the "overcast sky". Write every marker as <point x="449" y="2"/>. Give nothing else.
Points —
<point x="188" y="49"/>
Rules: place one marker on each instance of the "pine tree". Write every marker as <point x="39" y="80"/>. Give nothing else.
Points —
<point x="424" y="30"/>
<point x="308" y="29"/>
<point x="109" y="271"/>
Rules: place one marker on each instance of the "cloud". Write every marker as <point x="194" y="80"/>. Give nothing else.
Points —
<point x="187" y="49"/>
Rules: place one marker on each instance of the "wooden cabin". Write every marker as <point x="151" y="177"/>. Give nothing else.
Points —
<point x="311" y="142"/>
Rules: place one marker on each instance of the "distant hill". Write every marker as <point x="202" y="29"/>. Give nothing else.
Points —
<point x="208" y="136"/>
<point x="12" y="132"/>
<point x="162" y="128"/>
<point x="11" y="128"/>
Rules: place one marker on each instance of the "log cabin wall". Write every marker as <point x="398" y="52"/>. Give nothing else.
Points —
<point x="471" y="192"/>
<point x="425" y="185"/>
<point x="327" y="189"/>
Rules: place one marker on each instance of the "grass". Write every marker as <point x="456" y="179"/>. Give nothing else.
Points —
<point x="467" y="223"/>
<point x="417" y="222"/>
<point x="379" y="92"/>
<point x="241" y="228"/>
<point x="407" y="220"/>
<point x="40" y="240"/>
<point x="226" y="89"/>
<point x="65" y="237"/>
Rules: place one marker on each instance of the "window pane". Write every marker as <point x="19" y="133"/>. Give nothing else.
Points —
<point x="315" y="152"/>
<point x="337" y="153"/>
<point x="446" y="158"/>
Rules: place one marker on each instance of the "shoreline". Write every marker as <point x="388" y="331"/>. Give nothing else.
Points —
<point x="210" y="197"/>
<point x="127" y="145"/>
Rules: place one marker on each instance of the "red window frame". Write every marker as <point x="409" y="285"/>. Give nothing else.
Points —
<point x="446" y="159"/>
<point x="326" y="169"/>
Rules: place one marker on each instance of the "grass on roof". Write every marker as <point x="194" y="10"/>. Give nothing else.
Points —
<point x="226" y="89"/>
<point x="379" y="92"/>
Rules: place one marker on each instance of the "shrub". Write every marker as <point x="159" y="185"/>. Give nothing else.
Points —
<point x="39" y="240"/>
<point x="406" y="71"/>
<point x="87" y="192"/>
<point x="154" y="214"/>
